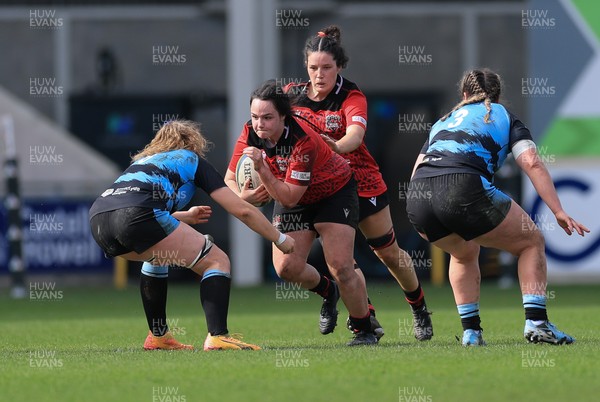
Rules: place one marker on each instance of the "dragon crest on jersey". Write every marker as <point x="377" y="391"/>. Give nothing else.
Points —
<point x="333" y="122"/>
<point x="282" y="163"/>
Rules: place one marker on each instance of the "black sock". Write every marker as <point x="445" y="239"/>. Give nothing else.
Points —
<point x="361" y="324"/>
<point x="322" y="289"/>
<point x="154" y="298"/>
<point x="416" y="298"/>
<point x="473" y="322"/>
<point x="536" y="314"/>
<point x="214" y="296"/>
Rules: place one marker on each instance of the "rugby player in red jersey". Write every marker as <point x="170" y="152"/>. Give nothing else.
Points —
<point x="315" y="194"/>
<point x="338" y="109"/>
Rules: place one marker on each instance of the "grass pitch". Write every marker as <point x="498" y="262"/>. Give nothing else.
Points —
<point x="86" y="345"/>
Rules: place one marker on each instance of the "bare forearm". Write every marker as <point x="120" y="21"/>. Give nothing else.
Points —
<point x="276" y="188"/>
<point x="541" y="180"/>
<point x="348" y="143"/>
<point x="256" y="221"/>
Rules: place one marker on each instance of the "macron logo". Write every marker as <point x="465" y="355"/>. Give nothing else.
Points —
<point x="346" y="212"/>
<point x="373" y="200"/>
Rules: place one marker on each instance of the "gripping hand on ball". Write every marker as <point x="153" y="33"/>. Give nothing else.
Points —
<point x="256" y="155"/>
<point x="257" y="196"/>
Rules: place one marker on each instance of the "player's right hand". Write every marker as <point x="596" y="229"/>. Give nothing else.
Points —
<point x="287" y="247"/>
<point x="257" y="196"/>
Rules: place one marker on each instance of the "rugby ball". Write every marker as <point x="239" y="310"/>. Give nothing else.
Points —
<point x="244" y="170"/>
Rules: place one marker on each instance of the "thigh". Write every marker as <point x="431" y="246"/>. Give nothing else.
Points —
<point x="377" y="224"/>
<point x="304" y="240"/>
<point x="179" y="248"/>
<point x="515" y="233"/>
<point x="458" y="247"/>
<point x="338" y="244"/>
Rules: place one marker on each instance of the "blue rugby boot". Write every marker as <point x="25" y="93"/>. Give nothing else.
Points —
<point x="472" y="337"/>
<point x="545" y="332"/>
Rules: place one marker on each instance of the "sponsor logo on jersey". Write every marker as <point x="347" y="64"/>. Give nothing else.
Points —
<point x="300" y="175"/>
<point x="346" y="212"/>
<point x="360" y="119"/>
<point x="373" y="200"/>
<point x="107" y="192"/>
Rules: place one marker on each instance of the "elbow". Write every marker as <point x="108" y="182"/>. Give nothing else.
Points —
<point x="244" y="212"/>
<point x="289" y="204"/>
<point x="535" y="165"/>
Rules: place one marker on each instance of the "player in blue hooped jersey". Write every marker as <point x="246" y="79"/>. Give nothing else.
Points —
<point x="453" y="203"/>
<point x="140" y="218"/>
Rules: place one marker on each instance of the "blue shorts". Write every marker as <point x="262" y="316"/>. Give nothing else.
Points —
<point x="462" y="203"/>
<point x="131" y="229"/>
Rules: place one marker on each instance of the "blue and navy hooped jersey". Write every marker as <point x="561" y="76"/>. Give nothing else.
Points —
<point x="166" y="181"/>
<point x="465" y="143"/>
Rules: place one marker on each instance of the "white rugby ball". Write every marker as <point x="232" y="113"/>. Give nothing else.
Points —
<point x="244" y="170"/>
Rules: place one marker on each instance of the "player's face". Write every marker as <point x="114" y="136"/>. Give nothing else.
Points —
<point x="322" y="71"/>
<point x="266" y="120"/>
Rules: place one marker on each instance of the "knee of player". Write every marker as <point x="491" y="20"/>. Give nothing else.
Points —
<point x="468" y="253"/>
<point x="289" y="267"/>
<point x="536" y="239"/>
<point x="385" y="242"/>
<point x="342" y="271"/>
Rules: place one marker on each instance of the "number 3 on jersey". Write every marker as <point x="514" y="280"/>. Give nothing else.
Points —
<point x="459" y="118"/>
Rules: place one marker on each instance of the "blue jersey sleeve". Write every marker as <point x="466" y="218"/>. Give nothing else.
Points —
<point x="207" y="177"/>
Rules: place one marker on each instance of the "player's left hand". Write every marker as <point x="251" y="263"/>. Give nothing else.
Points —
<point x="570" y="225"/>
<point x="196" y="215"/>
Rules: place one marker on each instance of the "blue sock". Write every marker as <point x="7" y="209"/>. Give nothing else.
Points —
<point x="469" y="316"/>
<point x="535" y="308"/>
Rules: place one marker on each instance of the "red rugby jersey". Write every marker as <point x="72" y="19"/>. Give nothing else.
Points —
<point x="344" y="106"/>
<point x="300" y="157"/>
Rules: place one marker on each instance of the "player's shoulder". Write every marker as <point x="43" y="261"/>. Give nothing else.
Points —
<point x="301" y="126"/>
<point x="348" y="85"/>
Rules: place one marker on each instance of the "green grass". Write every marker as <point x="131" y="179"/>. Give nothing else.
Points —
<point x="93" y="338"/>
